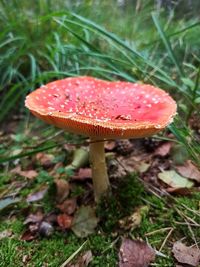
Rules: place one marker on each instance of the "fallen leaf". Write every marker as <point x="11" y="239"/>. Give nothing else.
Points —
<point x="180" y="191"/>
<point x="86" y="258"/>
<point x="33" y="228"/>
<point x="62" y="190"/>
<point x="142" y="166"/>
<point x="83" y="260"/>
<point x="83" y="173"/>
<point x="186" y="255"/>
<point x="189" y="170"/>
<point x="36" y="196"/>
<point x="28" y="235"/>
<point x="64" y="221"/>
<point x="135" y="253"/>
<point x="132" y="164"/>
<point x="163" y="150"/>
<point x="6" y="202"/>
<point x="68" y="206"/>
<point x="133" y="221"/>
<point x="46" y="160"/>
<point x="5" y="233"/>
<point x="30" y="174"/>
<point x="34" y="218"/>
<point x="84" y="222"/>
<point x="175" y="180"/>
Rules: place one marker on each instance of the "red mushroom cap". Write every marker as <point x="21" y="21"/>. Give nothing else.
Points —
<point x="103" y="109"/>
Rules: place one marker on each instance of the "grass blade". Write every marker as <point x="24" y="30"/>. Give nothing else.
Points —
<point x="167" y="44"/>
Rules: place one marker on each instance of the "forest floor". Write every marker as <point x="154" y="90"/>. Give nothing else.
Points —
<point x="49" y="218"/>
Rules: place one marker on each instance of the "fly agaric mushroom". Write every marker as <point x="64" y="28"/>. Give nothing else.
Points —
<point x="102" y="109"/>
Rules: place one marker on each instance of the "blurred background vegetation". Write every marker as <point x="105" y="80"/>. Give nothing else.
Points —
<point x="149" y="41"/>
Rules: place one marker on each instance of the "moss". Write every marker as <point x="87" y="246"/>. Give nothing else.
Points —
<point x="55" y="250"/>
<point x="129" y="193"/>
<point x="120" y="203"/>
<point x="103" y="251"/>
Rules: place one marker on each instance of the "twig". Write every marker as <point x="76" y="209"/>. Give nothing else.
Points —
<point x="184" y="223"/>
<point x="186" y="219"/>
<point x="194" y="211"/>
<point x="184" y="216"/>
<point x="160" y="254"/>
<point x="111" y="245"/>
<point x="166" y="238"/>
<point x="192" y="233"/>
<point x="73" y="255"/>
<point x="159" y="230"/>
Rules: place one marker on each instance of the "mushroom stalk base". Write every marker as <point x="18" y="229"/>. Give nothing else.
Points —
<point x="99" y="170"/>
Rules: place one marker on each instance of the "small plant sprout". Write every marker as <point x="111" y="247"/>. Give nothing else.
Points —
<point x="101" y="110"/>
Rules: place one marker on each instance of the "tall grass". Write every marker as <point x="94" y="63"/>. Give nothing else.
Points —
<point x="41" y="41"/>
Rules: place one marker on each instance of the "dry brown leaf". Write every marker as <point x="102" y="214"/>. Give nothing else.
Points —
<point x="180" y="191"/>
<point x="28" y="235"/>
<point x="62" y="190"/>
<point x="135" y="253"/>
<point x="68" y="206"/>
<point x="36" y="196"/>
<point x="186" y="255"/>
<point x="83" y="173"/>
<point x="163" y="150"/>
<point x="189" y="170"/>
<point x="34" y="218"/>
<point x="30" y="174"/>
<point x="132" y="164"/>
<point x="45" y="160"/>
<point x="134" y="220"/>
<point x="64" y="221"/>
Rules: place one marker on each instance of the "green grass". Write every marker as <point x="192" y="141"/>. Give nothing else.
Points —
<point x="72" y="43"/>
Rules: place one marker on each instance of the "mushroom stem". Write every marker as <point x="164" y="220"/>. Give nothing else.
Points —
<point x="99" y="170"/>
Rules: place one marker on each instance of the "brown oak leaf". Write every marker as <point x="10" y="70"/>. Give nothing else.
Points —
<point x="135" y="253"/>
<point x="186" y="255"/>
